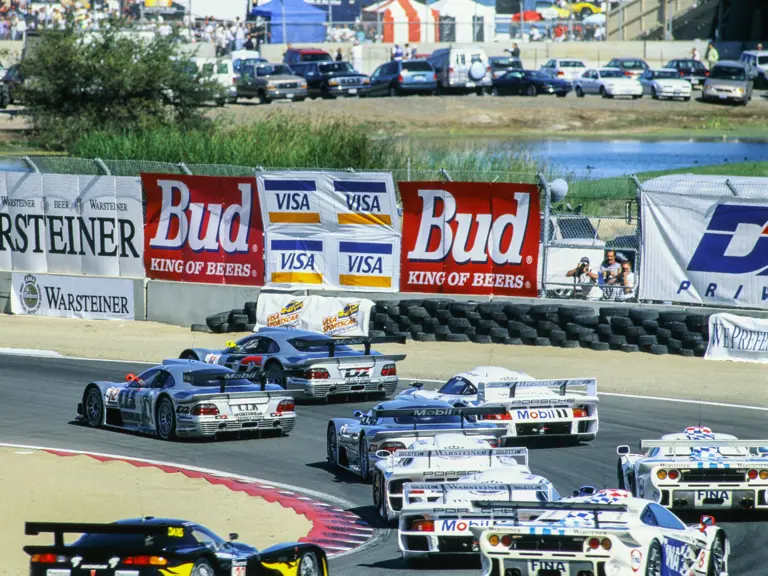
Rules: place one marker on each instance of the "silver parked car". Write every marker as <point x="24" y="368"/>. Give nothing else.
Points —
<point x="729" y="81"/>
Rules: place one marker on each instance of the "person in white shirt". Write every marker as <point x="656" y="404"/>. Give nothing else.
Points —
<point x="626" y="280"/>
<point x="695" y="54"/>
<point x="357" y="56"/>
<point x="584" y="281"/>
<point x="19" y="29"/>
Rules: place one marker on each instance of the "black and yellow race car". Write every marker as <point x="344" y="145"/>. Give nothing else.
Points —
<point x="163" y="547"/>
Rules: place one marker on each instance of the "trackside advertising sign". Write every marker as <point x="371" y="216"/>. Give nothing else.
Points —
<point x="470" y="238"/>
<point x="327" y="315"/>
<point x="203" y="229"/>
<point x="69" y="224"/>
<point x="737" y="338"/>
<point x="705" y="249"/>
<point x="72" y="296"/>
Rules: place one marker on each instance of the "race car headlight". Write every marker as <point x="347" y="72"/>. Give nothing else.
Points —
<point x="661" y="474"/>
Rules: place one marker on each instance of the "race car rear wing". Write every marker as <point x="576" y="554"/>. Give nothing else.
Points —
<point x="496" y="432"/>
<point x="255" y="373"/>
<point x="520" y="454"/>
<point x="353" y="360"/>
<point x="748" y="445"/>
<point x="58" y="529"/>
<point x="430" y="411"/>
<point x="505" y="391"/>
<point x="443" y="489"/>
<point x="332" y="343"/>
<point x="512" y="509"/>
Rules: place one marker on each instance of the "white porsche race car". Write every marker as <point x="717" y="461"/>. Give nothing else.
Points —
<point x="698" y="470"/>
<point x="609" y="533"/>
<point x="445" y="457"/>
<point x="535" y="408"/>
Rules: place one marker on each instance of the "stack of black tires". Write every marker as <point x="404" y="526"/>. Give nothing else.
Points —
<point x="235" y="320"/>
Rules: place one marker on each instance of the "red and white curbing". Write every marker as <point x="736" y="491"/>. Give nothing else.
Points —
<point x="337" y="531"/>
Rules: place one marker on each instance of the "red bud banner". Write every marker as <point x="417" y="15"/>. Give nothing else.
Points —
<point x="470" y="238"/>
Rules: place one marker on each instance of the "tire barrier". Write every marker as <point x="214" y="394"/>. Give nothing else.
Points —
<point x="626" y="329"/>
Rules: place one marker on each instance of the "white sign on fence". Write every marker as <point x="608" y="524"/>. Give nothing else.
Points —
<point x="737" y="338"/>
<point x="72" y="296"/>
<point x="327" y="315"/>
<point x="70" y="224"/>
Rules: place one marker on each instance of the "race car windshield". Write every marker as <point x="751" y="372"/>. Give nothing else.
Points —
<point x="458" y="385"/>
<point x="728" y="73"/>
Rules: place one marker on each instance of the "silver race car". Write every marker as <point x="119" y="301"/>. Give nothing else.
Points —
<point x="698" y="470"/>
<point x="318" y="366"/>
<point x="186" y="398"/>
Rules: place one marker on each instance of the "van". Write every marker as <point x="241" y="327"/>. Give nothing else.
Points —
<point x="223" y="72"/>
<point x="461" y="70"/>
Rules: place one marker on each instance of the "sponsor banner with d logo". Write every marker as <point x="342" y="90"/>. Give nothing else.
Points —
<point x="327" y="315"/>
<point x="737" y="338"/>
<point x="72" y="296"/>
<point x="203" y="229"/>
<point x="702" y="244"/>
<point x="59" y="223"/>
<point x="470" y="238"/>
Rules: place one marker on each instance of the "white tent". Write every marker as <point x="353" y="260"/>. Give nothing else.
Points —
<point x="403" y="21"/>
<point x="475" y="22"/>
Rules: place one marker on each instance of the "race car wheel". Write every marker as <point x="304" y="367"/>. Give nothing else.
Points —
<point x="94" y="407"/>
<point x="363" y="456"/>
<point x="274" y="365"/>
<point x="309" y="565"/>
<point x="653" y="564"/>
<point x="717" y="562"/>
<point x="202" y="568"/>
<point x="380" y="497"/>
<point x="166" y="422"/>
<point x="332" y="447"/>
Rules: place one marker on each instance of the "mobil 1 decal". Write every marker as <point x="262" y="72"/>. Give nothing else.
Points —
<point x="470" y="238"/>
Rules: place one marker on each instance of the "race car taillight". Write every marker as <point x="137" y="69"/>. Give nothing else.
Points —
<point x="493" y="540"/>
<point x="49" y="559"/>
<point x="606" y="544"/>
<point x="392" y="447"/>
<point x="389" y="370"/>
<point x="673" y="474"/>
<point x="423" y="526"/>
<point x="763" y="474"/>
<point x="661" y="474"/>
<point x="752" y="474"/>
<point x="594" y="543"/>
<point x="286" y="406"/>
<point x="145" y="561"/>
<point x="505" y="416"/>
<point x="205" y="410"/>
<point x="316" y="374"/>
<point x="580" y="412"/>
<point x="506" y="540"/>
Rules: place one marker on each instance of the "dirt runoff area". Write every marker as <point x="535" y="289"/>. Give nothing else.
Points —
<point x="40" y="486"/>
<point x="633" y="373"/>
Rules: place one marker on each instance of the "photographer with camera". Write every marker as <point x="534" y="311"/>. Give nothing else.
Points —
<point x="584" y="279"/>
<point x="625" y="279"/>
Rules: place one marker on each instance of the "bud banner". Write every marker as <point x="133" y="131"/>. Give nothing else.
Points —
<point x="203" y="229"/>
<point x="470" y="238"/>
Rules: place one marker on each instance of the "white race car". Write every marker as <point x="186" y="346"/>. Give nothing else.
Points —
<point x="698" y="470"/>
<point x="445" y="457"/>
<point x="462" y="387"/>
<point x="609" y="533"/>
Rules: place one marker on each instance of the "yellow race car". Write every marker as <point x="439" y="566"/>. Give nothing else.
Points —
<point x="584" y="8"/>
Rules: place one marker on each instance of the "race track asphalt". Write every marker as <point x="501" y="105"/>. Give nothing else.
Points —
<point x="39" y="396"/>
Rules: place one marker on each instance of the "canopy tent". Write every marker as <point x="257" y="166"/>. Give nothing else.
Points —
<point x="475" y="22"/>
<point x="528" y="16"/>
<point x="293" y="21"/>
<point x="402" y="21"/>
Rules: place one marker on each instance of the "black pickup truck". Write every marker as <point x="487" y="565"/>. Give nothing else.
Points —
<point x="332" y="79"/>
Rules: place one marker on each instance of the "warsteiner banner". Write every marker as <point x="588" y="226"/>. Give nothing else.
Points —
<point x="470" y="238"/>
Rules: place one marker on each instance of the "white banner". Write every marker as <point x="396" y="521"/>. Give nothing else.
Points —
<point x="737" y="338"/>
<point x="704" y="248"/>
<point x="70" y="224"/>
<point x="72" y="296"/>
<point x="324" y="314"/>
<point x="336" y="230"/>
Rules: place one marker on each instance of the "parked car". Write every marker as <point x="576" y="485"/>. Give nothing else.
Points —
<point x="729" y="81"/>
<point x="240" y="56"/>
<point x="500" y="65"/>
<point x="401" y="78"/>
<point x="758" y="62"/>
<point x="332" y="79"/>
<point x="607" y="82"/>
<point x="632" y="67"/>
<point x="269" y="82"/>
<point x="296" y="55"/>
<point x="564" y="68"/>
<point x="223" y="72"/>
<point x="665" y="83"/>
<point x="530" y="83"/>
<point x="549" y="10"/>
<point x="10" y="87"/>
<point x="464" y="70"/>
<point x="692" y="70"/>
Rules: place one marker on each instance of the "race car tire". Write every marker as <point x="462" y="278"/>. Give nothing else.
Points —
<point x="274" y="365"/>
<point x="663" y="334"/>
<point x="658" y="350"/>
<point x="600" y="346"/>
<point x="458" y="325"/>
<point x="570" y="344"/>
<point x="457" y="338"/>
<point x="556" y="337"/>
<point x="620" y="476"/>
<point x="674" y="345"/>
<point x="638" y="315"/>
<point x="418" y="313"/>
<point x="650" y="326"/>
<point x="514" y="327"/>
<point x="93" y="407"/>
<point x="498" y="334"/>
<point x="687" y="353"/>
<point x="513" y="342"/>
<point x="589" y="321"/>
<point x="309" y="565"/>
<point x="202" y="568"/>
<point x="616" y="341"/>
<point x="667" y="317"/>
<point x="165" y="418"/>
<point x="654" y="559"/>
<point x="215" y="320"/>
<point x="331" y="446"/>
<point x="630" y="348"/>
<point x="200" y="328"/>
<point x="604" y="330"/>
<point x="646" y="340"/>
<point x="718" y="562"/>
<point x="424" y="337"/>
<point x="515" y="311"/>
<point x="380" y="497"/>
<point x="460" y="309"/>
<point x="620" y="323"/>
<point x="365" y="472"/>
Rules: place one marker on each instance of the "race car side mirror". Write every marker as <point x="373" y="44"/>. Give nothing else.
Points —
<point x="622" y="450"/>
<point x="706" y="521"/>
<point x="417" y="385"/>
<point x="130" y="377"/>
<point x="357" y="414"/>
<point x="233" y="536"/>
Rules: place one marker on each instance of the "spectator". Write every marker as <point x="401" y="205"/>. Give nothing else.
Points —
<point x="626" y="279"/>
<point x="713" y="56"/>
<point x="339" y="55"/>
<point x="397" y="53"/>
<point x="609" y="273"/>
<point x="357" y="56"/>
<point x="515" y="52"/>
<point x="249" y="44"/>
<point x="239" y="36"/>
<point x="584" y="280"/>
<point x="695" y="54"/>
<point x="598" y="36"/>
<point x="19" y="29"/>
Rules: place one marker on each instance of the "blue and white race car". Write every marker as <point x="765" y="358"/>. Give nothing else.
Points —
<point x="316" y="365"/>
<point x="698" y="470"/>
<point x="357" y="443"/>
<point x="187" y="398"/>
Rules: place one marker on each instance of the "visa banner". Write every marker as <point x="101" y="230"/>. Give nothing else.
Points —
<point x="470" y="238"/>
<point x="203" y="229"/>
<point x="706" y="245"/>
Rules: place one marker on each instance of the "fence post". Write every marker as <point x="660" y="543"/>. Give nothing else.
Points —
<point x="408" y="168"/>
<point x="444" y="174"/>
<point x="185" y="169"/>
<point x="638" y="232"/>
<point x="731" y="187"/>
<point x="31" y="164"/>
<point x="544" y="185"/>
<point x="103" y="167"/>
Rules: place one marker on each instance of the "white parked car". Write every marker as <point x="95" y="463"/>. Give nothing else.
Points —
<point x="665" y="83"/>
<point x="564" y="68"/>
<point x="608" y="83"/>
<point x="608" y="533"/>
<point x="223" y="72"/>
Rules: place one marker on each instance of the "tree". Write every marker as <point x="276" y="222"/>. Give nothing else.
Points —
<point x="111" y="80"/>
